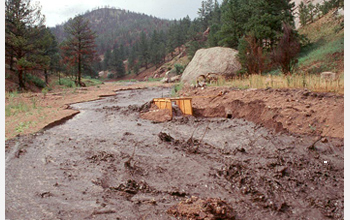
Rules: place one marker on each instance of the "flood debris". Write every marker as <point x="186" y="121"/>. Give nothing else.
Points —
<point x="165" y="137"/>
<point x="101" y="156"/>
<point x="132" y="187"/>
<point x="196" y="209"/>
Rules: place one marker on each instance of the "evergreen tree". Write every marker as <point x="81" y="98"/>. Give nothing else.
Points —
<point x="79" y="48"/>
<point x="106" y="60"/>
<point x="312" y="11"/>
<point x="117" y="63"/>
<point x="261" y="19"/>
<point x="215" y="26"/>
<point x="132" y="58"/>
<point x="144" y="53"/>
<point x="303" y="14"/>
<point x="235" y="15"/>
<point x="49" y="53"/>
<point x="23" y="27"/>
<point x="205" y="13"/>
<point x="156" y="49"/>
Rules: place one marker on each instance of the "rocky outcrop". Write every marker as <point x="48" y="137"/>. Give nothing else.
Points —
<point x="219" y="60"/>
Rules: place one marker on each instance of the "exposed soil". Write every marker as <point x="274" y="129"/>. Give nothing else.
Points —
<point x="108" y="163"/>
<point x="284" y="110"/>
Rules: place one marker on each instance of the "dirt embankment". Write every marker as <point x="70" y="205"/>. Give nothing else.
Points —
<point x="296" y="111"/>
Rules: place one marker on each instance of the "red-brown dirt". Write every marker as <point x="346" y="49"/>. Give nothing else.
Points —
<point x="296" y="111"/>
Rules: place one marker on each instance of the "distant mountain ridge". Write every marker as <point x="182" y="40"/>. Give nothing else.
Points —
<point x="116" y="26"/>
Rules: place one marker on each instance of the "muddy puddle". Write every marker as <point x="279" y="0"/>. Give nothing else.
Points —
<point x="106" y="163"/>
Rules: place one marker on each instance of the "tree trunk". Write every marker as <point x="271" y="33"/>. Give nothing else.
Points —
<point x="11" y="61"/>
<point x="46" y="77"/>
<point x="20" y="80"/>
<point x="79" y="69"/>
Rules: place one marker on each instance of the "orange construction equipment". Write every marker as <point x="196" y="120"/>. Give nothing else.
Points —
<point x="184" y="103"/>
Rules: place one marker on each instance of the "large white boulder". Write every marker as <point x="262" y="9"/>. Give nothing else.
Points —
<point x="219" y="60"/>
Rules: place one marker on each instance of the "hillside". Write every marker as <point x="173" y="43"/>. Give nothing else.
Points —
<point x="116" y="26"/>
<point x="325" y="51"/>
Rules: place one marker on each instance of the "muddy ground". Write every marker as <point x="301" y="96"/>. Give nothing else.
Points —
<point x="107" y="163"/>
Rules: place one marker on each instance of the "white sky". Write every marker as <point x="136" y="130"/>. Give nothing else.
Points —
<point x="60" y="11"/>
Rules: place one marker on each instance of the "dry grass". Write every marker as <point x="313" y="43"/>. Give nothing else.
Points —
<point x="300" y="81"/>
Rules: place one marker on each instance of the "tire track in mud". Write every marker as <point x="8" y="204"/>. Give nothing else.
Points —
<point x="107" y="164"/>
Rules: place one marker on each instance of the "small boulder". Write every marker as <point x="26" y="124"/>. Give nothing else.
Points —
<point x="164" y="80"/>
<point x="175" y="79"/>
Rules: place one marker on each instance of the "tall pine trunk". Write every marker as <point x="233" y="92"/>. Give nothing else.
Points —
<point x="79" y="70"/>
<point x="46" y="77"/>
<point x="20" y="80"/>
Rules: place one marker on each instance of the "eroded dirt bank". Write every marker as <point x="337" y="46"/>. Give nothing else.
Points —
<point x="106" y="163"/>
<point x="293" y="110"/>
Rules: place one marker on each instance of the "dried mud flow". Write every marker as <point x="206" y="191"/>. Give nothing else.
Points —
<point x="107" y="163"/>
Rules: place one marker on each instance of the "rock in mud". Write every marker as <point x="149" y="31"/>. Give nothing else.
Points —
<point x="165" y="137"/>
<point x="196" y="208"/>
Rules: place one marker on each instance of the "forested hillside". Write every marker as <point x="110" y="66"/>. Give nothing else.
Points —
<point x="116" y="26"/>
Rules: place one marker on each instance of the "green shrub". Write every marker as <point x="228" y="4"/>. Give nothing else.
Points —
<point x="44" y="91"/>
<point x="176" y="89"/>
<point x="91" y="82"/>
<point x="36" y="80"/>
<point x="179" y="68"/>
<point x="150" y="79"/>
<point x="66" y="82"/>
<point x="110" y="76"/>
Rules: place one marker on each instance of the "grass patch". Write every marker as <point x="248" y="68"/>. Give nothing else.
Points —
<point x="66" y="82"/>
<point x="150" y="79"/>
<point x="22" y="126"/>
<point x="10" y="95"/>
<point x="91" y="82"/>
<point x="317" y="53"/>
<point x="176" y="88"/>
<point x="15" y="108"/>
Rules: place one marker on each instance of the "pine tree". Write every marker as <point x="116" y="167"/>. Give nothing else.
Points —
<point x="236" y="14"/>
<point x="48" y="55"/>
<point x="261" y="19"/>
<point x="79" y="48"/>
<point x="23" y="27"/>
<point x="117" y="63"/>
<point x="144" y="49"/>
<point x="215" y="26"/>
<point x="303" y="14"/>
<point x="106" y="60"/>
<point x="132" y="58"/>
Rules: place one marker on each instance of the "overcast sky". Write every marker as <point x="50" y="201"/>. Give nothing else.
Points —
<point x="60" y="11"/>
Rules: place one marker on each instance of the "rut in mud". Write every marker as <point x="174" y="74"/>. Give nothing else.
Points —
<point x="107" y="163"/>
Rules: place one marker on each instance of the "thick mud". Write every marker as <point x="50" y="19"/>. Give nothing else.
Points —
<point x="107" y="163"/>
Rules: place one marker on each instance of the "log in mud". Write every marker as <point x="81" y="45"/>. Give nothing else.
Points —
<point x="107" y="163"/>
